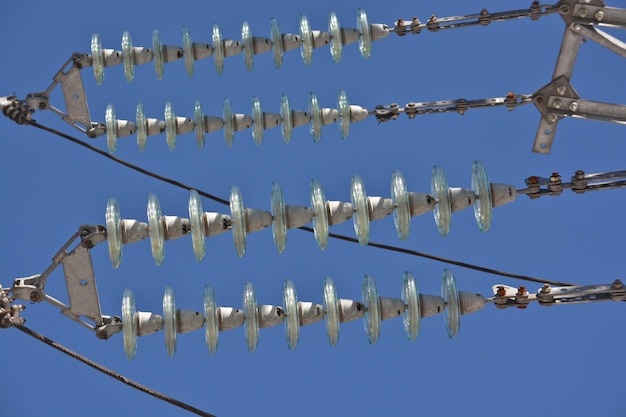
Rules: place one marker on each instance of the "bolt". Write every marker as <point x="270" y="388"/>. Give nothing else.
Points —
<point x="582" y="13"/>
<point x="552" y="118"/>
<point x="501" y="291"/>
<point x="35" y="297"/>
<point x="599" y="15"/>
<point x="573" y="106"/>
<point x="560" y="89"/>
<point x="617" y="284"/>
<point x="546" y="288"/>
<point x="577" y="27"/>
<point x="557" y="104"/>
<point x="580" y="174"/>
<point x="521" y="290"/>
<point x="42" y="105"/>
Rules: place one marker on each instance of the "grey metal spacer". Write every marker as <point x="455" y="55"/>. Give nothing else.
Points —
<point x="142" y="55"/>
<point x="329" y="116"/>
<point x="175" y="227"/>
<point x="300" y="118"/>
<point x="349" y="35"/>
<point x="380" y="207"/>
<point x="502" y="194"/>
<point x="291" y="41"/>
<point x="257" y="219"/>
<point x="133" y="230"/>
<point x="271" y="120"/>
<point x="155" y="127"/>
<point x="420" y="203"/>
<point x="148" y="323"/>
<point x="112" y="57"/>
<point x="390" y="308"/>
<point x="260" y="45"/>
<point x="358" y="113"/>
<point x="125" y="128"/>
<point x="232" y="47"/>
<point x="338" y="212"/>
<point x="188" y="320"/>
<point x="212" y="124"/>
<point x="461" y="198"/>
<point x="320" y="38"/>
<point x="172" y="53"/>
<point x="350" y="310"/>
<point x="471" y="302"/>
<point x="215" y="223"/>
<point x="298" y="216"/>
<point x="431" y="305"/>
<point x="242" y="122"/>
<point x="310" y="312"/>
<point x="379" y="31"/>
<point x="270" y="316"/>
<point x="230" y="318"/>
<point x="201" y="50"/>
<point x="184" y="125"/>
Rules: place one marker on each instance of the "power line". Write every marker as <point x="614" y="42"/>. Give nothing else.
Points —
<point x="307" y="229"/>
<point x="111" y="373"/>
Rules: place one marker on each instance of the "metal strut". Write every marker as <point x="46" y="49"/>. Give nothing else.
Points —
<point x="80" y="281"/>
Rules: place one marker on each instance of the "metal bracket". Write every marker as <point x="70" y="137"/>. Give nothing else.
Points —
<point x="80" y="282"/>
<point x="505" y="296"/>
<point x="558" y="99"/>
<point x="580" y="183"/>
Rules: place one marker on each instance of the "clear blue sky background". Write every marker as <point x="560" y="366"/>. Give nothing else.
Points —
<point x="559" y="361"/>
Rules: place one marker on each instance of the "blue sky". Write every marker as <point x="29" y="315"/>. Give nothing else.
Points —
<point x="563" y="360"/>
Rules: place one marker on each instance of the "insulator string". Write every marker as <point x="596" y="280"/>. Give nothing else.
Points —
<point x="294" y="314"/>
<point x="363" y="209"/>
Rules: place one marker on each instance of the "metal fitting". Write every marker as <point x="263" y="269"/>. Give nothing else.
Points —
<point x="599" y="15"/>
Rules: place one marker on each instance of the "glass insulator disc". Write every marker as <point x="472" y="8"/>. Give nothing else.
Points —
<point x="188" y="52"/>
<point x="412" y="308"/>
<point x="452" y="310"/>
<point x="279" y="217"/>
<point x="198" y="120"/>
<point x="252" y="318"/>
<point x="155" y="229"/>
<point x="285" y="114"/>
<point x="238" y="220"/>
<point x="441" y="192"/>
<point x="336" y="43"/>
<point x="114" y="232"/>
<point x="157" y="50"/>
<point x="129" y="56"/>
<point x="196" y="219"/>
<point x="169" y="321"/>
<point x="361" y="215"/>
<point x="402" y="213"/>
<point x="371" y="322"/>
<point x="111" y="126"/>
<point x="292" y="314"/>
<point x="129" y="324"/>
<point x="331" y="305"/>
<point x="482" y="189"/>
<point x="320" y="214"/>
<point x="97" y="58"/>
<point x="211" y="320"/>
<point x="365" y="41"/>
